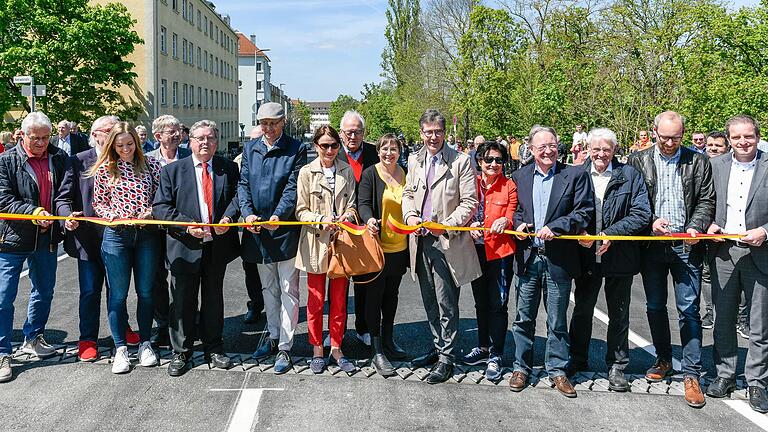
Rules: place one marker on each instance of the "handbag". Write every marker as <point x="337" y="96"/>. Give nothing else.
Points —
<point x="355" y="255"/>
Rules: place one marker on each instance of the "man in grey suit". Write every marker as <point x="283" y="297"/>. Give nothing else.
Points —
<point x="741" y="186"/>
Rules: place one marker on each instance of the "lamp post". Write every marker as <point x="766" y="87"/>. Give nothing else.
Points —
<point x="285" y="108"/>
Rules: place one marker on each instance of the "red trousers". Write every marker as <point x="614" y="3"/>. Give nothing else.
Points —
<point x="337" y="317"/>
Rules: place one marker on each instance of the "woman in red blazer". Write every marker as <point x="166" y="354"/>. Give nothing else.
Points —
<point x="498" y="201"/>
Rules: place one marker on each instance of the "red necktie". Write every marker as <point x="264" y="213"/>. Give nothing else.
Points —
<point x="208" y="191"/>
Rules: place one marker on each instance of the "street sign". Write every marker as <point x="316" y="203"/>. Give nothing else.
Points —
<point x="40" y="90"/>
<point x="23" y="79"/>
<point x="26" y="90"/>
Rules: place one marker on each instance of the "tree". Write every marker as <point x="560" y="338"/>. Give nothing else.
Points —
<point x="341" y="105"/>
<point x="376" y="109"/>
<point x="300" y="117"/>
<point x="75" y="49"/>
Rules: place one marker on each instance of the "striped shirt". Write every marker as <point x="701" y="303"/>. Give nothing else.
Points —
<point x="670" y="202"/>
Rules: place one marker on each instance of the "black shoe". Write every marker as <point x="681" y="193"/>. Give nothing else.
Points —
<point x="218" y="360"/>
<point x="251" y="316"/>
<point x="617" y="381"/>
<point x="721" y="387"/>
<point x="442" y="372"/>
<point x="179" y="365"/>
<point x="160" y="338"/>
<point x="427" y="359"/>
<point x="758" y="399"/>
<point x="268" y="348"/>
<point x="708" y="320"/>
<point x="379" y="360"/>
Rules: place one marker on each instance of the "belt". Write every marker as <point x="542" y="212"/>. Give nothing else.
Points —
<point x="538" y="250"/>
<point x="738" y="244"/>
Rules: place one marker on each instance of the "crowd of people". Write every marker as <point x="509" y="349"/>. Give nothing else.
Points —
<point x="719" y="185"/>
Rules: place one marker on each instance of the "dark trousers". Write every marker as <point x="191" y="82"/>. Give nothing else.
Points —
<point x="91" y="276"/>
<point x="253" y="286"/>
<point x="617" y="298"/>
<point x="491" y="294"/>
<point x="381" y="299"/>
<point x="208" y="281"/>
<point x="160" y="291"/>
<point x="361" y="294"/>
<point x="684" y="264"/>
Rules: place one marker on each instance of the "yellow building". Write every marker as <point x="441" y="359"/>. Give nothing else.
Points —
<point x="187" y="66"/>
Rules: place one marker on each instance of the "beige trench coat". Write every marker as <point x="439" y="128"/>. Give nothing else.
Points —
<point x="315" y="200"/>
<point x="454" y="202"/>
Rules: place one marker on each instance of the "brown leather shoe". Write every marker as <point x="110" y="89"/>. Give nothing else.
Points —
<point x="564" y="385"/>
<point x="518" y="381"/>
<point x="660" y="370"/>
<point x="693" y="395"/>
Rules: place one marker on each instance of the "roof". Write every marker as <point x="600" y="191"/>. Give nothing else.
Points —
<point x="248" y="48"/>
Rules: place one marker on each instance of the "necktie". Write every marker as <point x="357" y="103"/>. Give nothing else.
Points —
<point x="208" y="191"/>
<point x="426" y="211"/>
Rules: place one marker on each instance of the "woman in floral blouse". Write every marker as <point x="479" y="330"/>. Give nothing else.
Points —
<point x="125" y="182"/>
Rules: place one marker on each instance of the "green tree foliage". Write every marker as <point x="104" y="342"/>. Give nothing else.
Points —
<point x="300" y="117"/>
<point x="75" y="49"/>
<point x="341" y="105"/>
<point x="376" y="109"/>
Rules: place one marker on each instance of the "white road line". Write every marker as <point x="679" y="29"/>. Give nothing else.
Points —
<point x="25" y="273"/>
<point x="246" y="413"/>
<point x="743" y="408"/>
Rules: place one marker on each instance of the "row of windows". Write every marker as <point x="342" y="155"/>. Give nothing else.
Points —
<point x="205" y="98"/>
<point x="204" y="25"/>
<point x="205" y="61"/>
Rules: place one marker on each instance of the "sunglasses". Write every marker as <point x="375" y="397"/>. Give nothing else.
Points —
<point x="489" y="160"/>
<point x="325" y="147"/>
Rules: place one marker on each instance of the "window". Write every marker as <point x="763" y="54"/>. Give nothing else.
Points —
<point x="217" y="66"/>
<point x="205" y="62"/>
<point x="217" y="99"/>
<point x="175" y="94"/>
<point x="191" y="15"/>
<point x="210" y="29"/>
<point x="175" y="46"/>
<point x="163" y="92"/>
<point x="199" y="20"/>
<point x="191" y="55"/>
<point x="206" y="99"/>
<point x="191" y="96"/>
<point x="210" y="58"/>
<point x="184" y="49"/>
<point x="199" y="96"/>
<point x="184" y="9"/>
<point x="258" y="67"/>
<point x="163" y="40"/>
<point x="217" y="34"/>
<point x="199" y="58"/>
<point x="259" y="85"/>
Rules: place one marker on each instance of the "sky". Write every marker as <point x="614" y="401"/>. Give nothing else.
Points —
<point x="321" y="48"/>
<point x="318" y="48"/>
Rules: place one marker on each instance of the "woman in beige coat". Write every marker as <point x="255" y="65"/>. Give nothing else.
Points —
<point x="326" y="193"/>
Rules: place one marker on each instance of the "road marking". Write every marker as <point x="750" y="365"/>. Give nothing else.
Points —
<point x="246" y="413"/>
<point x="743" y="408"/>
<point x="25" y="273"/>
<point x="635" y="338"/>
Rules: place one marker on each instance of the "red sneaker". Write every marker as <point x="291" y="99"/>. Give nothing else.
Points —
<point x="86" y="351"/>
<point x="131" y="337"/>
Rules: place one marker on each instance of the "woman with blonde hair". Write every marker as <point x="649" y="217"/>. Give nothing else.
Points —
<point x="124" y="187"/>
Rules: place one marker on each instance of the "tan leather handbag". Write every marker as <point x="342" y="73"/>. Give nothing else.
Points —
<point x="353" y="255"/>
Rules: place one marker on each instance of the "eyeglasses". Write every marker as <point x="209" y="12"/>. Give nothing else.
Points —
<point x="541" y="148"/>
<point x="352" y="132"/>
<point x="489" y="160"/>
<point x="171" y="132"/>
<point x="42" y="138"/>
<point x="674" y="139"/>
<point x="270" y="124"/>
<point x="205" y="138"/>
<point x="436" y="132"/>
<point x="325" y="147"/>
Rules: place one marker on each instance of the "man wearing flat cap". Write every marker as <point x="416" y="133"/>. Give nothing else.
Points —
<point x="267" y="192"/>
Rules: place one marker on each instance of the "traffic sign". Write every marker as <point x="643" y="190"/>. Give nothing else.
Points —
<point x="40" y="90"/>
<point x="23" y="79"/>
<point x="26" y="90"/>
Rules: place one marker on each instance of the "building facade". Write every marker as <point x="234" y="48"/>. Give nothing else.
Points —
<point x="319" y="115"/>
<point x="187" y="65"/>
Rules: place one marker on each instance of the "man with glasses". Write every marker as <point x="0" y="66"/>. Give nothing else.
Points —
<point x="30" y="174"/>
<point x="359" y="155"/>
<point x="741" y="187"/>
<point x="698" y="143"/>
<point x="682" y="199"/>
<point x="440" y="186"/>
<point x="167" y="132"/>
<point x="553" y="199"/>
<point x="267" y="192"/>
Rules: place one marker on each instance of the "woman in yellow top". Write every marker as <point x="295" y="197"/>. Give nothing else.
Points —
<point x="379" y="196"/>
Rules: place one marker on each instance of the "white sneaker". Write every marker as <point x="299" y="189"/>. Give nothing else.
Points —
<point x="147" y="355"/>
<point x="6" y="373"/>
<point x="120" y="362"/>
<point x="327" y="341"/>
<point x="38" y="347"/>
<point x="365" y="338"/>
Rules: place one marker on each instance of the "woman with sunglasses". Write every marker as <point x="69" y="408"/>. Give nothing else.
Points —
<point x="124" y="187"/>
<point x="379" y="197"/>
<point x="498" y="201"/>
<point x="325" y="194"/>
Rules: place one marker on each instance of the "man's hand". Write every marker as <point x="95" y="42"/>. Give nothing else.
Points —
<point x="661" y="227"/>
<point x="44" y="223"/>
<point x="413" y="221"/>
<point x="270" y="226"/>
<point x="436" y="232"/>
<point x="604" y="247"/>
<point x="329" y="223"/>
<point x="586" y="243"/>
<point x="72" y="225"/>
<point x="224" y="229"/>
<point x="524" y="227"/>
<point x="250" y="220"/>
<point x="714" y="229"/>
<point x="545" y="234"/>
<point x="499" y="225"/>
<point x="693" y="233"/>
<point x="754" y="237"/>
<point x="197" y="232"/>
<point x="476" y="235"/>
<point x="373" y="226"/>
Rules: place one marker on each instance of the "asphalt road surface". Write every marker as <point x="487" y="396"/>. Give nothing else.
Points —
<point x="62" y="394"/>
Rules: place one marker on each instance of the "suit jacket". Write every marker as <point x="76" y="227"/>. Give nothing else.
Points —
<point x="157" y="155"/>
<point x="77" y="142"/>
<point x="370" y="156"/>
<point x="757" y="200"/>
<point x="176" y="200"/>
<point x="454" y="202"/>
<point x="76" y="194"/>
<point x="571" y="209"/>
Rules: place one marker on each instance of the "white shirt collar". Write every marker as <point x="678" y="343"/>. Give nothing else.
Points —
<point x="744" y="165"/>
<point x="198" y="162"/>
<point x="607" y="170"/>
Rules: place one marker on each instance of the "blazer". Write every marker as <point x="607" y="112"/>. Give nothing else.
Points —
<point x="500" y="201"/>
<point x="756" y="214"/>
<point x="78" y="143"/>
<point x="177" y="200"/>
<point x="369" y="156"/>
<point x="76" y="194"/>
<point x="454" y="202"/>
<point x="183" y="152"/>
<point x="315" y="200"/>
<point x="268" y="187"/>
<point x="570" y="211"/>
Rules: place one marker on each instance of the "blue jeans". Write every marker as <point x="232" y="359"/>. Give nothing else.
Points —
<point x="42" y="273"/>
<point x="127" y="250"/>
<point x="537" y="279"/>
<point x="684" y="263"/>
<point x="91" y="276"/>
